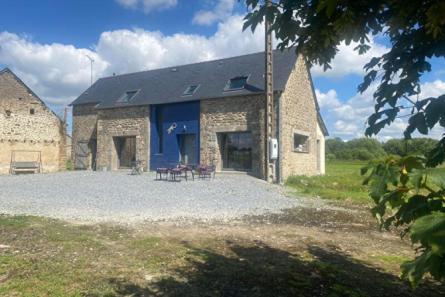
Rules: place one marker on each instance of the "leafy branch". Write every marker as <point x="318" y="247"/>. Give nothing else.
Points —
<point x="408" y="192"/>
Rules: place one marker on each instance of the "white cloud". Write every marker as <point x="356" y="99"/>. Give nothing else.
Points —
<point x="148" y="5"/>
<point x="137" y="49"/>
<point x="54" y="71"/>
<point x="328" y="100"/>
<point x="222" y="10"/>
<point x="59" y="73"/>
<point x="347" y="118"/>
<point x="432" y="89"/>
<point x="347" y="61"/>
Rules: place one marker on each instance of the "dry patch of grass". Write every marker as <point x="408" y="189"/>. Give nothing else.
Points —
<point x="44" y="257"/>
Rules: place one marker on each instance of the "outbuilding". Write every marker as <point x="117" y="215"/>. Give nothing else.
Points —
<point x="32" y="136"/>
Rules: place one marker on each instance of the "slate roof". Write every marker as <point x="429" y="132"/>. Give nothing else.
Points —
<point x="167" y="85"/>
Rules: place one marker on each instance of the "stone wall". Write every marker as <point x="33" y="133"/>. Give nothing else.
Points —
<point x="298" y="114"/>
<point x="233" y="114"/>
<point x="84" y="131"/>
<point x="26" y="123"/>
<point x="130" y="121"/>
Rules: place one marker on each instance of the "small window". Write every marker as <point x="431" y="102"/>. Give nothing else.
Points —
<point x="127" y="97"/>
<point x="236" y="83"/>
<point x="301" y="143"/>
<point x="190" y="90"/>
<point x="8" y="113"/>
<point x="32" y="111"/>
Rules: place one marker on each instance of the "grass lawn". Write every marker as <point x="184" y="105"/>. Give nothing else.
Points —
<point x="342" y="181"/>
<point x="45" y="257"/>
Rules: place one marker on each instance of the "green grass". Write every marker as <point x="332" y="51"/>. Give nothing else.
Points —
<point x="49" y="257"/>
<point x="342" y="181"/>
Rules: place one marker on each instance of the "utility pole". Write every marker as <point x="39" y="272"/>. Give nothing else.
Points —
<point x="91" y="61"/>
<point x="269" y="108"/>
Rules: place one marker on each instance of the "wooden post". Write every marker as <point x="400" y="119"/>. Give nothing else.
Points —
<point x="269" y="108"/>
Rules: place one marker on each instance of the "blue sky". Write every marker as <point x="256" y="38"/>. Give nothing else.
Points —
<point x="45" y="43"/>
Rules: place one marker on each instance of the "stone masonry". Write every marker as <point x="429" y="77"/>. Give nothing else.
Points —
<point x="84" y="131"/>
<point x="118" y="122"/>
<point x="27" y="124"/>
<point x="233" y="114"/>
<point x="298" y="114"/>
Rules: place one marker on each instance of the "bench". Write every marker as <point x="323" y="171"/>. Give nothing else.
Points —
<point x="25" y="166"/>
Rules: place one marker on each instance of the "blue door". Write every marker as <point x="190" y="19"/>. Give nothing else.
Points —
<point x="174" y="134"/>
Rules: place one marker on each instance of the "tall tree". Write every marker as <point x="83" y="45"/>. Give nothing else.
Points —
<point x="411" y="187"/>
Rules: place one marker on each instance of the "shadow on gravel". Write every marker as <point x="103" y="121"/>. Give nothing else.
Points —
<point x="261" y="270"/>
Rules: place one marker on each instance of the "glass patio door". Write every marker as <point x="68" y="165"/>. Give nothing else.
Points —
<point x="237" y="151"/>
<point x="187" y="148"/>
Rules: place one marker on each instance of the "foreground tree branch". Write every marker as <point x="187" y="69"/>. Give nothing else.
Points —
<point x="416" y="31"/>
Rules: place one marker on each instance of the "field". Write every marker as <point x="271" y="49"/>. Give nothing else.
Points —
<point x="304" y="252"/>
<point x="342" y="182"/>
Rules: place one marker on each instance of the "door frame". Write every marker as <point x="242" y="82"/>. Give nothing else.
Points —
<point x="118" y="150"/>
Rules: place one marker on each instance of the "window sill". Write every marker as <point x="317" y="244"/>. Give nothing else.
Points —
<point x="301" y="152"/>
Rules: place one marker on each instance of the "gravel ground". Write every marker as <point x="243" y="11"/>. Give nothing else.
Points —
<point x="119" y="197"/>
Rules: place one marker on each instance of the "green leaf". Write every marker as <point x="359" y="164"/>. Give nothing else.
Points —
<point x="430" y="230"/>
<point x="428" y="261"/>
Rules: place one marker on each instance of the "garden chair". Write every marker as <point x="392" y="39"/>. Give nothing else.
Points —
<point x="162" y="171"/>
<point x="207" y="171"/>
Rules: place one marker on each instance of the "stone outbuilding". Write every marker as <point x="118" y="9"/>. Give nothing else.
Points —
<point x="29" y="130"/>
<point x="203" y="113"/>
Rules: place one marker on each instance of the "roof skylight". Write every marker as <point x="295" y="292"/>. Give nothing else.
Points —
<point x="127" y="96"/>
<point x="236" y="83"/>
<point x="190" y="90"/>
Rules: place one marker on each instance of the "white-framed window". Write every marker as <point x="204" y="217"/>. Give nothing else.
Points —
<point x="301" y="143"/>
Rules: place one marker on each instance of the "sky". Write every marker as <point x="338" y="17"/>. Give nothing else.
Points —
<point x="46" y="43"/>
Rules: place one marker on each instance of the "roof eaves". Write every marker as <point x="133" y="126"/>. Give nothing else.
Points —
<point x="317" y="106"/>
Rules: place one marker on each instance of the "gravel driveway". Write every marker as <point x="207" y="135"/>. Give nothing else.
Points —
<point x="120" y="197"/>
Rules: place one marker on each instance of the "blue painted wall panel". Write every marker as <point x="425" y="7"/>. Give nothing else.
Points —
<point x="186" y="116"/>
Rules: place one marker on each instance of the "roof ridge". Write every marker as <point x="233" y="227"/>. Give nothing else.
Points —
<point x="189" y="64"/>
<point x="6" y="69"/>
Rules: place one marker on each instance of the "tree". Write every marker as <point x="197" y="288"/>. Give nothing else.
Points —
<point x="408" y="192"/>
<point x="334" y="146"/>
<point x="396" y="147"/>
<point x="404" y="147"/>
<point x="364" y="149"/>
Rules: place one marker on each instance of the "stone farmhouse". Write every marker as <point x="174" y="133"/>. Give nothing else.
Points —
<point x="30" y="132"/>
<point x="208" y="113"/>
